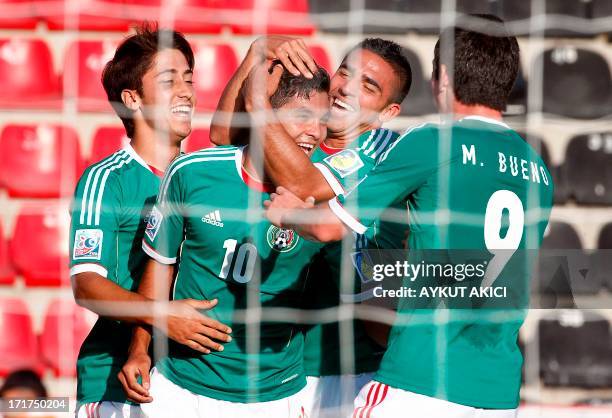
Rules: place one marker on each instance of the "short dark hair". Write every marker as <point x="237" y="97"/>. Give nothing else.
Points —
<point x="291" y="85"/>
<point x="24" y="379"/>
<point x="393" y="54"/>
<point x="132" y="59"/>
<point x="486" y="61"/>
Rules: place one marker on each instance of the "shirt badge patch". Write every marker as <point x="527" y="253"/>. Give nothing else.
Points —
<point x="281" y="240"/>
<point x="345" y="162"/>
<point x="153" y="222"/>
<point x="87" y="244"/>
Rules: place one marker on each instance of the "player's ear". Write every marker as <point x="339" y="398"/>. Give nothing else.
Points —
<point x="444" y="81"/>
<point x="131" y="99"/>
<point x="389" y="112"/>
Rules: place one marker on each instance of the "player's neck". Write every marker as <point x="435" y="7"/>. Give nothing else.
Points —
<point x="155" y="152"/>
<point x="461" y="110"/>
<point x="343" y="139"/>
<point x="256" y="171"/>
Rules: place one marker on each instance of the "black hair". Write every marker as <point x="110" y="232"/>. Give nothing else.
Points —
<point x="24" y="379"/>
<point x="132" y="59"/>
<point x="486" y="61"/>
<point x="393" y="54"/>
<point x="291" y="86"/>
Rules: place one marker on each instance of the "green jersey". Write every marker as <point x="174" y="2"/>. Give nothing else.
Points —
<point x="209" y="219"/>
<point x="463" y="184"/>
<point x="110" y="204"/>
<point x="323" y="348"/>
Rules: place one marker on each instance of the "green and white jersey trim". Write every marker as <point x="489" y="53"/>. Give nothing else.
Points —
<point x="91" y="201"/>
<point x="206" y="155"/>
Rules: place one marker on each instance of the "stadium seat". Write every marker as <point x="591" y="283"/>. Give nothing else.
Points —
<point x="575" y="350"/>
<point x="106" y="141"/>
<point x="380" y="16"/>
<point x="199" y="139"/>
<point x="513" y="11"/>
<point x="89" y="15"/>
<point x="564" y="269"/>
<point x="18" y="345"/>
<point x="64" y="330"/>
<point x="41" y="161"/>
<point x="215" y="65"/>
<point x="419" y="100"/>
<point x="83" y="67"/>
<point x="538" y="144"/>
<point x="429" y="11"/>
<point x="192" y="16"/>
<point x="39" y="246"/>
<point x="587" y="168"/>
<point x="27" y="78"/>
<point x="577" y="83"/>
<point x="18" y="14"/>
<point x="270" y="16"/>
<point x="321" y="57"/>
<point x="603" y="256"/>
<point x="7" y="273"/>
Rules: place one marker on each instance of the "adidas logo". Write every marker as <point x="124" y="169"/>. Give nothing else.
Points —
<point x="213" y="218"/>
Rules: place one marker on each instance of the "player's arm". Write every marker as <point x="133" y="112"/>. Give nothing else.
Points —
<point x="285" y="163"/>
<point x="403" y="169"/>
<point x="294" y="55"/>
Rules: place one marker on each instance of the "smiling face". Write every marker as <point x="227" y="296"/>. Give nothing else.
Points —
<point x="361" y="93"/>
<point x="305" y="120"/>
<point x="168" y="98"/>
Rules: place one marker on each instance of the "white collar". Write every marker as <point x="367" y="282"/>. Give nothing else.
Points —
<point x="128" y="148"/>
<point x="485" y="119"/>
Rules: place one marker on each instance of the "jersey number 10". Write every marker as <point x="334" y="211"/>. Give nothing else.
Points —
<point x="243" y="261"/>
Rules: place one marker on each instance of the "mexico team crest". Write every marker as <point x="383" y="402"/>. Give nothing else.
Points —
<point x="153" y="221"/>
<point x="87" y="244"/>
<point x="281" y="240"/>
<point x="345" y="162"/>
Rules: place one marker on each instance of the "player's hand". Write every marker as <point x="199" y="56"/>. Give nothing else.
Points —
<point x="282" y="202"/>
<point x="137" y="365"/>
<point x="291" y="52"/>
<point x="188" y="326"/>
<point x="260" y="85"/>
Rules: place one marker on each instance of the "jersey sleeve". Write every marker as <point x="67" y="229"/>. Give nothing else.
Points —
<point x="401" y="170"/>
<point x="164" y="232"/>
<point x="343" y="170"/>
<point x="95" y="217"/>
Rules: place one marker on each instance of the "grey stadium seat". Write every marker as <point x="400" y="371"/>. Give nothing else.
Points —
<point x="588" y="168"/>
<point x="576" y="83"/>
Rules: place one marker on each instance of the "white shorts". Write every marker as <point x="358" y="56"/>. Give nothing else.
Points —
<point x="333" y="396"/>
<point x="108" y="410"/>
<point x="377" y="400"/>
<point x="170" y="400"/>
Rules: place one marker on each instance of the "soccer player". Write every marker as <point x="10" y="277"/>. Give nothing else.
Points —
<point x="149" y="84"/>
<point x="469" y="184"/>
<point x="209" y="225"/>
<point x="366" y="91"/>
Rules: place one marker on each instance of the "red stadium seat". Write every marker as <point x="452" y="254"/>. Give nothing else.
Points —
<point x="42" y="161"/>
<point x="106" y="141"/>
<point x="322" y="58"/>
<point x="65" y="328"/>
<point x="94" y="15"/>
<point x="18" y="346"/>
<point x="7" y="274"/>
<point x="195" y="16"/>
<point x="83" y="67"/>
<point x="17" y="14"/>
<point x="39" y="246"/>
<point x="215" y="65"/>
<point x="199" y="139"/>
<point x="27" y="79"/>
<point x="275" y="16"/>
